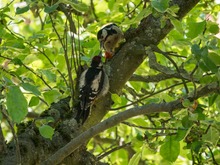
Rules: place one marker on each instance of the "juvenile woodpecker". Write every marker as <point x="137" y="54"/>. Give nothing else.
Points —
<point x="109" y="37"/>
<point x="93" y="84"/>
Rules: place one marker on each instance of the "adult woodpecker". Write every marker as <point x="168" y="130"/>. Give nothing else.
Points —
<point x="93" y="84"/>
<point x="109" y="37"/>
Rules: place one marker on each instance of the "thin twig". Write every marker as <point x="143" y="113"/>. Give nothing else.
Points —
<point x="213" y="157"/>
<point x="143" y="98"/>
<point x="112" y="150"/>
<point x="155" y="48"/>
<point x="93" y="10"/>
<point x="66" y="58"/>
<point x="150" y="128"/>
<point x="132" y="11"/>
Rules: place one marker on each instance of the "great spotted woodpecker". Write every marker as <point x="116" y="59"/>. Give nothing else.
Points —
<point x="109" y="37"/>
<point x="93" y="84"/>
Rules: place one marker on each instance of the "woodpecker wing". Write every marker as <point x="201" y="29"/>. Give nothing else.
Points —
<point x="90" y="86"/>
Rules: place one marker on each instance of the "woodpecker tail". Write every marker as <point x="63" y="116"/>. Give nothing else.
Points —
<point x="82" y="114"/>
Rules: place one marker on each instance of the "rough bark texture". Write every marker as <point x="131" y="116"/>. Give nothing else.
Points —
<point x="35" y="149"/>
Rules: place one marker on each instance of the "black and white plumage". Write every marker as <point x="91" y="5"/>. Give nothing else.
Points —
<point x="109" y="37"/>
<point x="93" y="84"/>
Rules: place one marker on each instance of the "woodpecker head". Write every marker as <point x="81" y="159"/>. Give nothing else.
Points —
<point x="96" y="62"/>
<point x="101" y="36"/>
<point x="106" y="31"/>
<point x="109" y="37"/>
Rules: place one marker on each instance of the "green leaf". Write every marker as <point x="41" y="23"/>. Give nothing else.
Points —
<point x="186" y="122"/>
<point x="195" y="49"/>
<point x="46" y="131"/>
<point x="17" y="61"/>
<point x="50" y="9"/>
<point x="214" y="57"/>
<point x="173" y="10"/>
<point x="160" y="5"/>
<point x="212" y="99"/>
<point x="177" y="24"/>
<point x="51" y="96"/>
<point x="181" y="134"/>
<point x="203" y="66"/>
<point x="31" y="88"/>
<point x="116" y="98"/>
<point x="199" y="111"/>
<point x="50" y="75"/>
<point x="16" y="43"/>
<point x="186" y="103"/>
<point x="111" y="4"/>
<point x="212" y="136"/>
<point x="195" y="29"/>
<point x="22" y="9"/>
<point x="196" y="146"/>
<point x="4" y="34"/>
<point x="170" y="149"/>
<point x="213" y="28"/>
<point x="34" y="101"/>
<point x="79" y="6"/>
<point x="16" y="104"/>
<point x="139" y="137"/>
<point x="135" y="159"/>
<point x="208" y="62"/>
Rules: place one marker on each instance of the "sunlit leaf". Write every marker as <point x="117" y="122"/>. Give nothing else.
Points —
<point x="51" y="76"/>
<point x="173" y="10"/>
<point x="177" y="24"/>
<point x="16" y="104"/>
<point x="212" y="136"/>
<point x="196" y="28"/>
<point x="213" y="28"/>
<point x="78" y="6"/>
<point x="170" y="149"/>
<point x="51" y="96"/>
<point x="46" y="131"/>
<point x="181" y="134"/>
<point x="34" y="101"/>
<point x="18" y="44"/>
<point x="135" y="159"/>
<point x="186" y="103"/>
<point x="116" y="98"/>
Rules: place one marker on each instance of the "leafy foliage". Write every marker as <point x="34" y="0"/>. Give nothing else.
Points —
<point x="43" y="45"/>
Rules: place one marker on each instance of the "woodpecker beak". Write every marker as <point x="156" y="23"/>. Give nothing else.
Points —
<point x="101" y="44"/>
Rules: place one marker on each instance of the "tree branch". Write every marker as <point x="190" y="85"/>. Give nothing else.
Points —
<point x="116" y="119"/>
